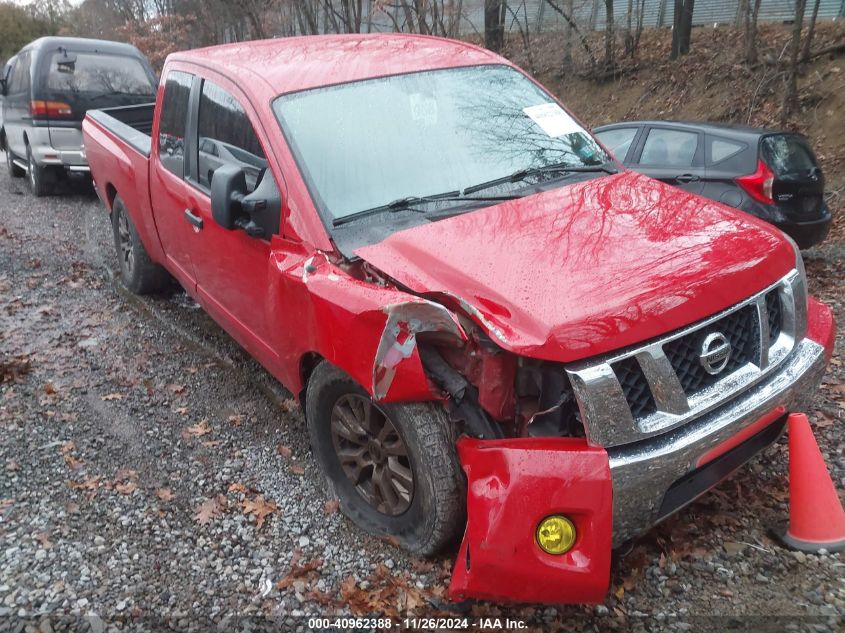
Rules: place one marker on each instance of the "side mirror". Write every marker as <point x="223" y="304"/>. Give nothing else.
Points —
<point x="257" y="213"/>
<point x="228" y="188"/>
<point x="3" y="87"/>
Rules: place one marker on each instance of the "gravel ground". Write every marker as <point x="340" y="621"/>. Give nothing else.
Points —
<point x="154" y="476"/>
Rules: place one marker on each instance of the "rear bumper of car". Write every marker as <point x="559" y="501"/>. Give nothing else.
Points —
<point x="70" y="155"/>
<point x="810" y="232"/>
<point x="513" y="484"/>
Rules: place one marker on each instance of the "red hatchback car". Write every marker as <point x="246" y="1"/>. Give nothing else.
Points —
<point x="495" y="330"/>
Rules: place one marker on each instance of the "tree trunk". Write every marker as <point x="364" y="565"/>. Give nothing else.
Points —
<point x="752" y="10"/>
<point x="790" y="97"/>
<point x="629" y="30"/>
<point x="808" y="42"/>
<point x="567" y="45"/>
<point x="609" y="47"/>
<point x="682" y="28"/>
<point x="494" y="24"/>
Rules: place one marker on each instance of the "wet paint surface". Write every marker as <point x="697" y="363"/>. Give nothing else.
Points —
<point x="514" y="484"/>
<point x="588" y="268"/>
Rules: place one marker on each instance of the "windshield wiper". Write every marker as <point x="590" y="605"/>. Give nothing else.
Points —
<point x="522" y="174"/>
<point x="407" y="204"/>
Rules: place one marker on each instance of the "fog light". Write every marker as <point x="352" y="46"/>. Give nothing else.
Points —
<point x="556" y="534"/>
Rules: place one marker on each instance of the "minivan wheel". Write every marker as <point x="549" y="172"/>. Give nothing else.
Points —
<point x="393" y="467"/>
<point x="139" y="273"/>
<point x="14" y="170"/>
<point x="36" y="176"/>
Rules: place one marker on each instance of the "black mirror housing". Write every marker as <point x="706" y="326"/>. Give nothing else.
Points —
<point x="3" y="87"/>
<point x="228" y="188"/>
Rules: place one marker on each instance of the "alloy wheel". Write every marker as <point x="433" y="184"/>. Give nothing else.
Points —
<point x="372" y="454"/>
<point x="127" y="254"/>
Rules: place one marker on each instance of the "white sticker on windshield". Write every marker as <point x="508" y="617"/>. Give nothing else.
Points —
<point x="423" y="108"/>
<point x="552" y="119"/>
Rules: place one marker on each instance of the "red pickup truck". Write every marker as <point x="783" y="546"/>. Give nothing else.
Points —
<point x="494" y="329"/>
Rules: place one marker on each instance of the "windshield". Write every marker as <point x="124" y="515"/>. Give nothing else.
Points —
<point x="364" y="144"/>
<point x="98" y="73"/>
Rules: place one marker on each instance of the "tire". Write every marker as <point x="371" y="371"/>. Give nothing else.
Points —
<point x="139" y="273"/>
<point x="433" y="515"/>
<point x="14" y="170"/>
<point x="37" y="176"/>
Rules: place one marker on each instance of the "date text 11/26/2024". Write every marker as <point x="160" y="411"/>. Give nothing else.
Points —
<point x="410" y="624"/>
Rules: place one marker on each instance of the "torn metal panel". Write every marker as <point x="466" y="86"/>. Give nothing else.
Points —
<point x="512" y="485"/>
<point x="398" y="340"/>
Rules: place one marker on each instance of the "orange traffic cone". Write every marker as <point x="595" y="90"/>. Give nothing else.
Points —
<point x="816" y="516"/>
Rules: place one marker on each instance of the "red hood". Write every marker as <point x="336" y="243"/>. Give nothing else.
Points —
<point x="588" y="268"/>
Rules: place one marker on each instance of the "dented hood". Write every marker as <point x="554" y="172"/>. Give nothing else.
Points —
<point x="588" y="268"/>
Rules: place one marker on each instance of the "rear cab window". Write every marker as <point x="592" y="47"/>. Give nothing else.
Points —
<point x="173" y="121"/>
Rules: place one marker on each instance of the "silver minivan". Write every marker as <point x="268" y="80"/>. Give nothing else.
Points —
<point x="51" y="83"/>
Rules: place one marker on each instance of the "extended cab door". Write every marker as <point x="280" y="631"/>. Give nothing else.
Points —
<point x="168" y="165"/>
<point x="232" y="268"/>
<point x="672" y="155"/>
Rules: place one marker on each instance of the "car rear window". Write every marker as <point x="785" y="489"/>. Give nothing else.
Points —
<point x="98" y="73"/>
<point x="787" y="154"/>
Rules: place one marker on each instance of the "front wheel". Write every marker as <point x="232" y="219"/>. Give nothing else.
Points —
<point x="393" y="467"/>
<point x="139" y="273"/>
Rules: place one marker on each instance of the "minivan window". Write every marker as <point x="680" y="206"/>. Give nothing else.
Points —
<point x="99" y="73"/>
<point x="173" y="121"/>
<point x="618" y="141"/>
<point x="669" y="148"/>
<point x="364" y="144"/>
<point x="20" y="74"/>
<point x="787" y="154"/>
<point x="226" y="137"/>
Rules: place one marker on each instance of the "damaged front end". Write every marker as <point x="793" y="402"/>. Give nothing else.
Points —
<point x="522" y="447"/>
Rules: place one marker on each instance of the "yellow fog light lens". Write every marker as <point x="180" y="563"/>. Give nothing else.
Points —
<point x="556" y="534"/>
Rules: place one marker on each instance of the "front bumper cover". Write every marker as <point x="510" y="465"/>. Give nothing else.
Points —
<point x="611" y="495"/>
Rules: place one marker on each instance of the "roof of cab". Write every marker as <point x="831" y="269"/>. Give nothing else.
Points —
<point x="299" y="63"/>
<point x="82" y="44"/>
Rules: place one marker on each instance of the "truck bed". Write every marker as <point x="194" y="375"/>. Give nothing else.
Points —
<point x="117" y="143"/>
<point x="132" y="124"/>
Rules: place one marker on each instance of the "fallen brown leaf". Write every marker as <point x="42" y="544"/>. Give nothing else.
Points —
<point x="260" y="508"/>
<point x="236" y="419"/>
<point x="331" y="506"/>
<point x="237" y="487"/>
<point x="196" y="430"/>
<point x="165" y="494"/>
<point x="73" y="463"/>
<point x="112" y="396"/>
<point x="126" y="488"/>
<point x="207" y="510"/>
<point x="44" y="539"/>
<point x="284" y="451"/>
<point x="296" y="469"/>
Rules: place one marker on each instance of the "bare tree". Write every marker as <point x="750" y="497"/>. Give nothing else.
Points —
<point x="682" y="28"/>
<point x="751" y="9"/>
<point x="494" y="24"/>
<point x="609" y="48"/>
<point x="808" y="41"/>
<point x="567" y="16"/>
<point x="790" y="96"/>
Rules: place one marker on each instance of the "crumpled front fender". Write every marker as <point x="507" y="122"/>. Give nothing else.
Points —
<point x="512" y="485"/>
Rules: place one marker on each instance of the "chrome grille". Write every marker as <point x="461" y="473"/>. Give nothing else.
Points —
<point x="741" y="330"/>
<point x="662" y="384"/>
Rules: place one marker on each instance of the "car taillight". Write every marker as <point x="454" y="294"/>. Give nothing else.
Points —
<point x="50" y="110"/>
<point x="759" y="184"/>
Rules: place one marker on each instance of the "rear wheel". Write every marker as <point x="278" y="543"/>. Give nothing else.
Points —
<point x="14" y="170"/>
<point x="37" y="176"/>
<point x="393" y="467"/>
<point x="139" y="273"/>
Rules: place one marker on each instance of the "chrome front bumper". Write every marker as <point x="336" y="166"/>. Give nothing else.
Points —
<point x="642" y="473"/>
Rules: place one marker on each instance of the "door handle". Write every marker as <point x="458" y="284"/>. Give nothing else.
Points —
<point x="195" y="220"/>
<point x="687" y="178"/>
